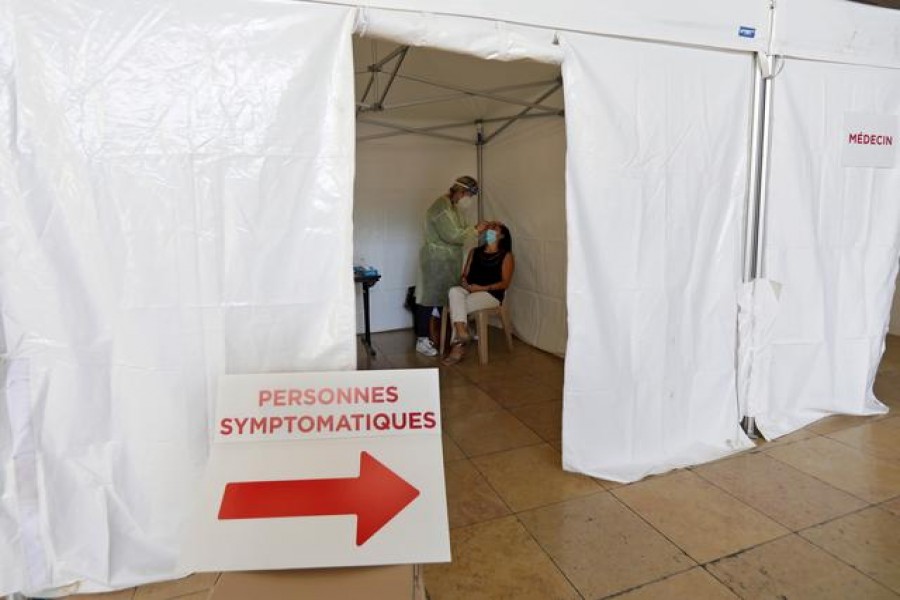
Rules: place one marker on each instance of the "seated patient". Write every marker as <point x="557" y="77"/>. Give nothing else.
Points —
<point x="486" y="275"/>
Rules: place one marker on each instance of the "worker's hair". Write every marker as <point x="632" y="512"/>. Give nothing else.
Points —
<point x="464" y="182"/>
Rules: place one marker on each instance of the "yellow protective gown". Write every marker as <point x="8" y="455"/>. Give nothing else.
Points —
<point x="441" y="256"/>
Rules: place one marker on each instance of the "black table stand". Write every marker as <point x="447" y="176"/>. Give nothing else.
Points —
<point x="367" y="282"/>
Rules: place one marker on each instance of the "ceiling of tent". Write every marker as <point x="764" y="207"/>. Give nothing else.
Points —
<point x="403" y="90"/>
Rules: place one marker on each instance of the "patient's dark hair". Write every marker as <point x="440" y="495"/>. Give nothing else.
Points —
<point x="505" y="242"/>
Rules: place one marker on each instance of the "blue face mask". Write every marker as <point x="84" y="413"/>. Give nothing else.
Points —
<point x="490" y="236"/>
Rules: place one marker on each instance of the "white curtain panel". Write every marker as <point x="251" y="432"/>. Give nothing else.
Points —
<point x="656" y="181"/>
<point x="832" y="243"/>
<point x="177" y="199"/>
<point x="525" y="188"/>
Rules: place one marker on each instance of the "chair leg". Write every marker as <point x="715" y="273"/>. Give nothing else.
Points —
<point x="507" y="330"/>
<point x="444" y="318"/>
<point x="481" y="320"/>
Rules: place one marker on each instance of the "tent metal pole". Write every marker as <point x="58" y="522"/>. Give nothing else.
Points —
<point x="760" y="264"/>
<point x="479" y="154"/>
<point x="455" y="125"/>
<point x="379" y="104"/>
<point x="458" y="95"/>
<point x="525" y="111"/>
<point x="361" y="104"/>
<point x="377" y="66"/>
<point x="471" y="92"/>
<point x="752" y="206"/>
<point x="415" y="130"/>
<point x="754" y="234"/>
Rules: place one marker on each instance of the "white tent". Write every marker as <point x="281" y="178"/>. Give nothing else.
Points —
<point x="177" y="203"/>
<point x="832" y="230"/>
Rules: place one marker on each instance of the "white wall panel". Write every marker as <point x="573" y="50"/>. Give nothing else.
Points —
<point x="176" y="205"/>
<point x="656" y="181"/>
<point x="696" y="22"/>
<point x="837" y="30"/>
<point x="832" y="243"/>
<point x="525" y="188"/>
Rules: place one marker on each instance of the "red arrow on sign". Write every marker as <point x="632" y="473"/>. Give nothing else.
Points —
<point x="375" y="497"/>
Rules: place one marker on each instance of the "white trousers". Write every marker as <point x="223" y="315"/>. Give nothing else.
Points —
<point x="462" y="303"/>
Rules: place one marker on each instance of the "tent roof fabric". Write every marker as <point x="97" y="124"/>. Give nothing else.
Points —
<point x="400" y="89"/>
<point x="844" y="31"/>
<point x="837" y="31"/>
<point x="695" y="22"/>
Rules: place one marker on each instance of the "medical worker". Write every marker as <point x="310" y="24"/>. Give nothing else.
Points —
<point x="441" y="256"/>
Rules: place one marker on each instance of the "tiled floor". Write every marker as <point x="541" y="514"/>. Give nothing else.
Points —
<point x="814" y="515"/>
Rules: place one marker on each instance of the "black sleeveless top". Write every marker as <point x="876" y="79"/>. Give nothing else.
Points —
<point x="487" y="269"/>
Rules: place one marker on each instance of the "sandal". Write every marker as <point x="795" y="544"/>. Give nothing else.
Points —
<point x="457" y="351"/>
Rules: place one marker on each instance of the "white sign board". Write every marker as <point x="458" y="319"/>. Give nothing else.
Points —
<point x="869" y="140"/>
<point x="322" y="470"/>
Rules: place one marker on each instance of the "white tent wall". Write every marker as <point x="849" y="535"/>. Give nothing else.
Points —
<point x="894" y="325"/>
<point x="397" y="179"/>
<point x="836" y="31"/>
<point x="656" y="183"/>
<point x="832" y="244"/>
<point x="176" y="205"/>
<point x="525" y="188"/>
<point x="736" y="24"/>
<point x="11" y="551"/>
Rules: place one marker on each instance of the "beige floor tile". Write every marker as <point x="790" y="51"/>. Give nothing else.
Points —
<point x="451" y="450"/>
<point x="412" y="360"/>
<point x="796" y="436"/>
<point x="695" y="584"/>
<point x="602" y="546"/>
<point x="793" y="568"/>
<point x="549" y="370"/>
<point x="450" y="377"/>
<point x="470" y="498"/>
<point x="394" y="342"/>
<point x="165" y="590"/>
<point x="846" y="468"/>
<point x="544" y="419"/>
<point x="549" y="376"/>
<point x="366" y="362"/>
<point x="868" y="540"/>
<point x="887" y="388"/>
<point x="494" y="370"/>
<point x="837" y="423"/>
<point x="892" y="506"/>
<point x="703" y="520"/>
<point x="496" y="560"/>
<point x="779" y="491"/>
<point x="532" y="476"/>
<point x="880" y="438"/>
<point x="196" y="596"/>
<point x="520" y="390"/>
<point x="483" y="433"/>
<point x="117" y="595"/>
<point x="466" y="399"/>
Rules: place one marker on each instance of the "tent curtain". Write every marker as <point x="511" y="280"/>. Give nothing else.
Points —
<point x="176" y="205"/>
<point x="832" y="246"/>
<point x="656" y="180"/>
<point x="486" y="39"/>
<point x="525" y="188"/>
<point x="837" y="31"/>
